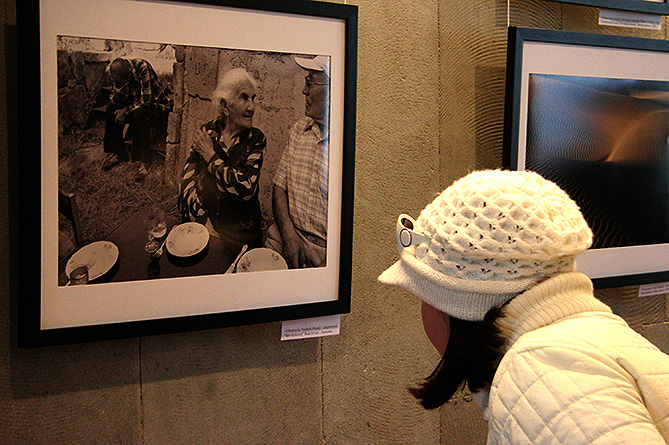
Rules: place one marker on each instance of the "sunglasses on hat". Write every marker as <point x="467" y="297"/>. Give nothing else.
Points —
<point x="405" y="233"/>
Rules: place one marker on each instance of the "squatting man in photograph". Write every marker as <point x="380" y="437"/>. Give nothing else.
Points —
<point x="139" y="100"/>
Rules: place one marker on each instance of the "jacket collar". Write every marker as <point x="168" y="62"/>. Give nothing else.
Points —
<point x="558" y="297"/>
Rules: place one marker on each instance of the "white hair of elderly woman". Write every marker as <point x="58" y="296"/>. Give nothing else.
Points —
<point x="228" y="85"/>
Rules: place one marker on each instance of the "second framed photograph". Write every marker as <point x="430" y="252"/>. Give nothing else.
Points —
<point x="186" y="166"/>
<point x="591" y="113"/>
<point x="660" y="7"/>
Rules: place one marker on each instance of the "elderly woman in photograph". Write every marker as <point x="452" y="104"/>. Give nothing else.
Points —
<point x="219" y="182"/>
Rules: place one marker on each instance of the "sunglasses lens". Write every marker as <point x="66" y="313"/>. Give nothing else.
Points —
<point x="405" y="238"/>
<point x="406" y="222"/>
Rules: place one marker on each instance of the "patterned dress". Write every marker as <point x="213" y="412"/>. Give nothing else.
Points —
<point x="225" y="190"/>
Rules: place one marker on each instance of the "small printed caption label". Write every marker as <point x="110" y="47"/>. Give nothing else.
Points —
<point x="648" y="290"/>
<point x="628" y="19"/>
<point x="310" y="327"/>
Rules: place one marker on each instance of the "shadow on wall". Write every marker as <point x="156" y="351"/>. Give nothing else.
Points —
<point x="489" y="112"/>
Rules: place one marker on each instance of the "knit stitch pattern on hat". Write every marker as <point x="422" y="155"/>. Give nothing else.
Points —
<point x="500" y="225"/>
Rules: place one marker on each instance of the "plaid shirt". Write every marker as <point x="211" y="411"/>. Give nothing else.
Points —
<point x="144" y="87"/>
<point x="303" y="173"/>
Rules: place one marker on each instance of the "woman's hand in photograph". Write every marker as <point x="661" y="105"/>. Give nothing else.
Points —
<point x="203" y="144"/>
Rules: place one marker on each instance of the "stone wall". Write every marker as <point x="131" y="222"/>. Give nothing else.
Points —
<point x="81" y="74"/>
<point x="81" y="65"/>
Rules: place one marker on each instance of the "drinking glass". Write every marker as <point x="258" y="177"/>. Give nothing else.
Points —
<point x="79" y="275"/>
<point x="156" y="226"/>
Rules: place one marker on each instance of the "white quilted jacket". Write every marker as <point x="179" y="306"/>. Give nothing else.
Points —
<point x="576" y="373"/>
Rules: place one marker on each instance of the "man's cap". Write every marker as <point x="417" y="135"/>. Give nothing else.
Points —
<point x="318" y="63"/>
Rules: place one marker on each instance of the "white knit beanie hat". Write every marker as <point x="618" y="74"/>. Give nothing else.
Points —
<point x="486" y="238"/>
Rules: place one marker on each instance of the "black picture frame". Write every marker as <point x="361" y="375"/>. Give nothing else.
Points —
<point x="290" y="27"/>
<point x="585" y="81"/>
<point x="644" y="6"/>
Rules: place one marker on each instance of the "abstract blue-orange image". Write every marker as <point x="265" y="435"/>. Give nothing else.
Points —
<point x="605" y="141"/>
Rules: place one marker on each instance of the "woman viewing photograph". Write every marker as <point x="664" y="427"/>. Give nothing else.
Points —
<point x="493" y="261"/>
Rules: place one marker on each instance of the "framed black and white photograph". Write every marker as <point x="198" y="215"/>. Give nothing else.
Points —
<point x="187" y="166"/>
<point x="644" y="6"/>
<point x="591" y="113"/>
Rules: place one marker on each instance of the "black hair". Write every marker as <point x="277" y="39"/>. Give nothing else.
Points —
<point x="472" y="355"/>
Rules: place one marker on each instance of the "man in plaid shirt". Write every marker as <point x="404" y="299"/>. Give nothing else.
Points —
<point x="138" y="100"/>
<point x="300" y="193"/>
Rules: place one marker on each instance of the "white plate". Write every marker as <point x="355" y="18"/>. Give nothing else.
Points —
<point x="99" y="257"/>
<point x="261" y="259"/>
<point x="187" y="239"/>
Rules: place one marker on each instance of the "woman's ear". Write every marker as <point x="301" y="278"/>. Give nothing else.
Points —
<point x="437" y="326"/>
<point x="223" y="107"/>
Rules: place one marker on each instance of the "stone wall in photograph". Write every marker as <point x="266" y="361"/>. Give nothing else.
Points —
<point x="81" y="75"/>
<point x="81" y="66"/>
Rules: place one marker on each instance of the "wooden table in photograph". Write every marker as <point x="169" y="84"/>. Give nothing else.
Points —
<point x="134" y="263"/>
